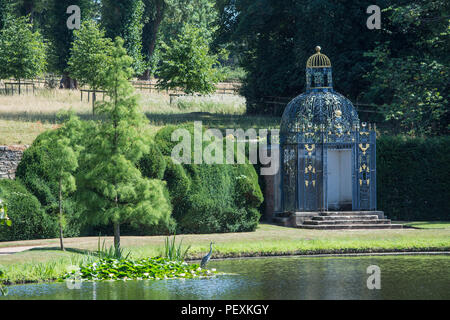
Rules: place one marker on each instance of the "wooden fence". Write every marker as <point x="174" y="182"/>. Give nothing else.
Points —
<point x="142" y="85"/>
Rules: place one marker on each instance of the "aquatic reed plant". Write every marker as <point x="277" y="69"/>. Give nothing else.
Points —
<point x="173" y="252"/>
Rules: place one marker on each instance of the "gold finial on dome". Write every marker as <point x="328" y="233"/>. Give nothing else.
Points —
<point x="318" y="60"/>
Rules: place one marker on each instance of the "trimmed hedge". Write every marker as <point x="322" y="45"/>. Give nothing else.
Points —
<point x="413" y="178"/>
<point x="209" y="198"/>
<point x="29" y="220"/>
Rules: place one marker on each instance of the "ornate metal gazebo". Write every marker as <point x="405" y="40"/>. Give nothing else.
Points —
<point x="327" y="156"/>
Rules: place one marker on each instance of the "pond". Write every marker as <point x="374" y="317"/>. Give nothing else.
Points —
<point x="402" y="277"/>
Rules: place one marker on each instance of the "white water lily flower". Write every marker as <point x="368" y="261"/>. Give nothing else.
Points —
<point x="213" y="270"/>
<point x="146" y="274"/>
<point x="182" y="274"/>
<point x="199" y="269"/>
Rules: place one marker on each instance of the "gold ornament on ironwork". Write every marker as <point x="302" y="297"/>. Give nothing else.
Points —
<point x="310" y="149"/>
<point x="364" y="149"/>
<point x="318" y="60"/>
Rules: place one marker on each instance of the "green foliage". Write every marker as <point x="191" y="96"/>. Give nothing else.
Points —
<point x="275" y="38"/>
<point x="110" y="185"/>
<point x="187" y="64"/>
<point x="164" y="20"/>
<point x="5" y="11"/>
<point x="151" y="268"/>
<point x="4" y="219"/>
<point x="124" y="18"/>
<point x="152" y="164"/>
<point x="412" y="178"/>
<point x="23" y="52"/>
<point x="90" y="55"/>
<point x="30" y="220"/>
<point x="409" y="77"/>
<point x="172" y="252"/>
<point x="55" y="29"/>
<point x="63" y="156"/>
<point x="210" y="198"/>
<point x="403" y="67"/>
<point x="3" y="291"/>
<point x="233" y="74"/>
<point x="37" y="170"/>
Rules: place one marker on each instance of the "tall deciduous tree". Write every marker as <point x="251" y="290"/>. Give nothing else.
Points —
<point x="164" y="20"/>
<point x="90" y="56"/>
<point x="60" y="36"/>
<point x="23" y="52"/>
<point x="409" y="79"/>
<point x="153" y="16"/>
<point x="124" y="18"/>
<point x="111" y="186"/>
<point x="187" y="64"/>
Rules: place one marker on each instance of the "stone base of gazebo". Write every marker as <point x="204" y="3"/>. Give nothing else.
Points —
<point x="336" y="220"/>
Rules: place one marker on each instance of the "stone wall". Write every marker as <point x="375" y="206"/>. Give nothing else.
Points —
<point x="10" y="157"/>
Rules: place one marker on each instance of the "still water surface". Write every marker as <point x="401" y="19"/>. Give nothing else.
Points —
<point x="402" y="277"/>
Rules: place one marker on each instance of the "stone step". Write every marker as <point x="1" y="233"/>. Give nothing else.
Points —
<point x="350" y="213"/>
<point x="335" y="222"/>
<point x="360" y="217"/>
<point x="380" y="214"/>
<point x="351" y="226"/>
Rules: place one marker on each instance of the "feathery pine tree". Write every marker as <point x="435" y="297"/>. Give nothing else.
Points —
<point x="112" y="187"/>
<point x="63" y="154"/>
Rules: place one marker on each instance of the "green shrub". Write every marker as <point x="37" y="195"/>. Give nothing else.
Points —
<point x="413" y="178"/>
<point x="210" y="198"/>
<point x="29" y="220"/>
<point x="153" y="164"/>
<point x="33" y="171"/>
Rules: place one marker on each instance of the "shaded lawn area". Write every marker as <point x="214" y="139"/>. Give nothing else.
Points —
<point x="428" y="224"/>
<point x="48" y="263"/>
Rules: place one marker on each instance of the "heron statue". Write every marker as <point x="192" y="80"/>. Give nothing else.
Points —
<point x="206" y="258"/>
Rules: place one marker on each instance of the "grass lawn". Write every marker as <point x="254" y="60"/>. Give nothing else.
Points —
<point x="428" y="224"/>
<point x="41" y="264"/>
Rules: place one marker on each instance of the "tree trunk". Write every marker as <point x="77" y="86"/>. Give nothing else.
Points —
<point x="60" y="218"/>
<point x="68" y="83"/>
<point x="160" y="9"/>
<point x="19" y="88"/>
<point x="145" y="75"/>
<point x="94" y="97"/>
<point x="116" y="236"/>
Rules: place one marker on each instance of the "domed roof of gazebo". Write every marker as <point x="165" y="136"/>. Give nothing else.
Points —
<point x="320" y="107"/>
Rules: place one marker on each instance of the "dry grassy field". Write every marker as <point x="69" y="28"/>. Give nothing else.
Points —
<point x="23" y="117"/>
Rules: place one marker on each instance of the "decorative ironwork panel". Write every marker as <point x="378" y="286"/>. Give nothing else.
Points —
<point x="366" y="169"/>
<point x="310" y="183"/>
<point x="289" y="156"/>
